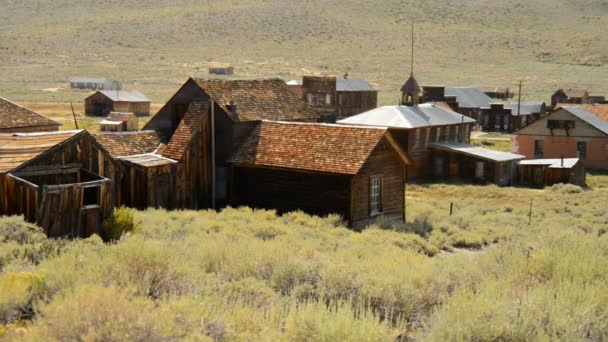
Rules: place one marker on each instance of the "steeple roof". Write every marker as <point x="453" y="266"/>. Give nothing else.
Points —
<point x="411" y="86"/>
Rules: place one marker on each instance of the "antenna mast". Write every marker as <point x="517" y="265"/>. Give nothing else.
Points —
<point x="412" y="59"/>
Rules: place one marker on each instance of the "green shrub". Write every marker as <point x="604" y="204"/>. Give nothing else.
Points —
<point x="121" y="222"/>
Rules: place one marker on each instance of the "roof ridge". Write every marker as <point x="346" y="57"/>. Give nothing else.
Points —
<point x="324" y="124"/>
<point x="30" y="110"/>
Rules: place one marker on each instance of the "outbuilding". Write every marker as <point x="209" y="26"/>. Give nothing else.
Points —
<point x="103" y="102"/>
<point x="547" y="172"/>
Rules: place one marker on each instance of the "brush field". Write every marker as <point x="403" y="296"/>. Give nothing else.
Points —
<point x="487" y="272"/>
<point x="153" y="46"/>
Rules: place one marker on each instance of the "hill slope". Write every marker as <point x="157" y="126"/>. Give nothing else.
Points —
<point x="154" y="46"/>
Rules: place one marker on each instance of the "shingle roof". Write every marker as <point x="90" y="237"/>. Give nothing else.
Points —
<point x="527" y="108"/>
<point x="411" y="85"/>
<point x="328" y="148"/>
<point x="186" y="130"/>
<point x="476" y="151"/>
<point x="594" y="114"/>
<point x="17" y="149"/>
<point x="469" y="97"/>
<point x="13" y="115"/>
<point x="120" y="144"/>
<point x="425" y="115"/>
<point x="125" y="96"/>
<point x="353" y="84"/>
<point x="258" y="99"/>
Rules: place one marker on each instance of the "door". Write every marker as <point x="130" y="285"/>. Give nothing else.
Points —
<point x="439" y="166"/>
<point x="161" y="191"/>
<point x="479" y="169"/>
<point x="92" y="214"/>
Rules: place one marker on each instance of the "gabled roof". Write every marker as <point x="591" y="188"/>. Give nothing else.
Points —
<point x="527" y="108"/>
<point x="186" y="130"/>
<point x="17" y="149"/>
<point x="479" y="152"/>
<point x="353" y="84"/>
<point x="411" y="86"/>
<point x="406" y="117"/>
<point x="120" y="144"/>
<point x="124" y="96"/>
<point x="565" y="163"/>
<point x="573" y="92"/>
<point x="13" y="115"/>
<point x="469" y="97"/>
<point x="329" y="148"/>
<point x="594" y="114"/>
<point x="257" y="99"/>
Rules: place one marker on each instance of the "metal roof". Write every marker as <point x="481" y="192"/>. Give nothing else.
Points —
<point x="588" y="117"/>
<point x="295" y="82"/>
<point x="17" y="149"/>
<point x="469" y="97"/>
<point x="565" y="163"/>
<point x="110" y="122"/>
<point x="425" y="115"/>
<point x="480" y="152"/>
<point x="148" y="160"/>
<point x="125" y="96"/>
<point x="527" y="108"/>
<point x="89" y="79"/>
<point x="353" y="84"/>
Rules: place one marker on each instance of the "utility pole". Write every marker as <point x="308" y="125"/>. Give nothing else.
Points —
<point x="74" y="115"/>
<point x="519" y="99"/>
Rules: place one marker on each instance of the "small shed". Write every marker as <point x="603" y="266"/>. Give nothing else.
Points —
<point x="546" y="172"/>
<point x="16" y="118"/>
<point x="356" y="172"/>
<point x="103" y="102"/>
<point x="216" y="68"/>
<point x="473" y="163"/>
<point x="62" y="181"/>
<point x="119" y="122"/>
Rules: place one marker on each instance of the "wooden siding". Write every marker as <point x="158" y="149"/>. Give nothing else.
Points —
<point x="541" y="175"/>
<point x="100" y="105"/>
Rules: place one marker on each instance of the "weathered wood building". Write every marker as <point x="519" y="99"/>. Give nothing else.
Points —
<point x="335" y="98"/>
<point x="511" y="116"/>
<point x="358" y="173"/>
<point x="570" y="131"/>
<point x="103" y="102"/>
<point x="94" y="83"/>
<point x="575" y="96"/>
<point x="499" y="93"/>
<point x="62" y="181"/>
<point x="217" y="68"/>
<point x="16" y="118"/>
<point x="469" y="101"/>
<point x="546" y="172"/>
<point x="119" y="122"/>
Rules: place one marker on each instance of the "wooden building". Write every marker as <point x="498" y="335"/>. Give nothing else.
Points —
<point x="62" y="181"/>
<point x="469" y="101"/>
<point x="498" y="93"/>
<point x="16" y="118"/>
<point x="94" y="83"/>
<point x="570" y="131"/>
<point x="573" y="96"/>
<point x="216" y="68"/>
<point x="193" y="137"/>
<point x="416" y="127"/>
<point x="546" y="172"/>
<point x="510" y="117"/>
<point x="358" y="173"/>
<point x="336" y="98"/>
<point x="119" y="122"/>
<point x="103" y="102"/>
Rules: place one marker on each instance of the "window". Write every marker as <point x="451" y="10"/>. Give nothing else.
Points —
<point x="560" y="124"/>
<point x="538" y="148"/>
<point x="581" y="149"/>
<point x="427" y="132"/>
<point x="309" y="98"/>
<point x="417" y="138"/>
<point x="90" y="195"/>
<point x="438" y="134"/>
<point x="328" y="99"/>
<point x="457" y="135"/>
<point x="375" y="195"/>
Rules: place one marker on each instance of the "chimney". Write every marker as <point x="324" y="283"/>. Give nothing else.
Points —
<point x="346" y="75"/>
<point x="232" y="107"/>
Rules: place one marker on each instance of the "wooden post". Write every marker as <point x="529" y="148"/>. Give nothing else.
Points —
<point x="451" y="207"/>
<point x="74" y="115"/>
<point x="530" y="214"/>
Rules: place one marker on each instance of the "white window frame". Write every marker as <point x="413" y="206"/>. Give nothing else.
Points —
<point x="417" y="137"/>
<point x="375" y="195"/>
<point x="438" y="134"/>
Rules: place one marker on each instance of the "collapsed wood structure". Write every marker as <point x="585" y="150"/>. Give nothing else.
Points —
<point x="16" y="118"/>
<point x="63" y="181"/>
<point x="103" y="102"/>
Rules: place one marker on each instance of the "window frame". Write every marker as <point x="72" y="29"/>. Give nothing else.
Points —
<point x="581" y="154"/>
<point x="376" y="182"/>
<point x="539" y="152"/>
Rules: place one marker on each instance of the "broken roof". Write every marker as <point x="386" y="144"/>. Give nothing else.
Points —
<point x="257" y="99"/>
<point x="13" y="115"/>
<point x="527" y="108"/>
<point x="353" y="84"/>
<point x="120" y="144"/>
<point x="330" y="148"/>
<point x="594" y="114"/>
<point x="469" y="97"/>
<point x="565" y="163"/>
<point x="186" y="129"/>
<point x="17" y="149"/>
<point x="479" y="152"/>
<point x="425" y="115"/>
<point x="124" y="96"/>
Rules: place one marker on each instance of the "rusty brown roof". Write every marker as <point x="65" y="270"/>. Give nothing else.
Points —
<point x="17" y="149"/>
<point x="186" y="130"/>
<point x="330" y="148"/>
<point x="13" y="115"/>
<point x="411" y="86"/>
<point x="570" y="93"/>
<point x="120" y="144"/>
<point x="258" y="99"/>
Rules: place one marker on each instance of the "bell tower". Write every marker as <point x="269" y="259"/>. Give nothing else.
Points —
<point x="410" y="91"/>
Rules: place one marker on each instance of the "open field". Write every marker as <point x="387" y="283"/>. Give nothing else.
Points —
<point x="154" y="46"/>
<point x="485" y="273"/>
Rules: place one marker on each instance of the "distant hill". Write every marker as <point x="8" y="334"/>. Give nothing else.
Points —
<point x="155" y="45"/>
